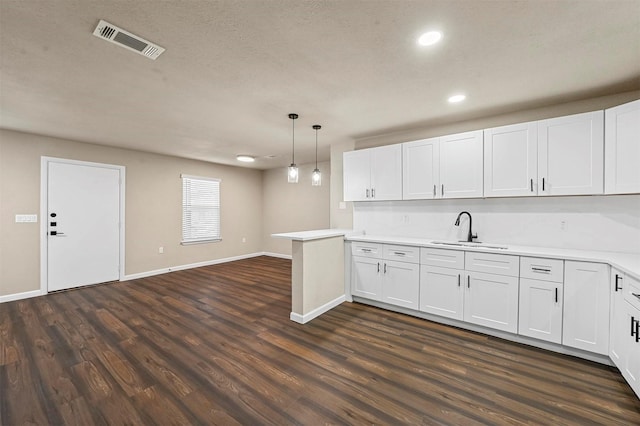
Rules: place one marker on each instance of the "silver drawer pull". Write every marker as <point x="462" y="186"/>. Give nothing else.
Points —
<point x="366" y="250"/>
<point x="636" y="295"/>
<point x="399" y="253"/>
<point x="542" y="270"/>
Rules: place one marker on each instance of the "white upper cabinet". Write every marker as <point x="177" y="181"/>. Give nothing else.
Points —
<point x="386" y="172"/>
<point x="571" y="155"/>
<point x="421" y="171"/>
<point x="357" y="175"/>
<point x="373" y="174"/>
<point x="622" y="149"/>
<point x="461" y="165"/>
<point x="511" y="160"/>
<point x="445" y="167"/>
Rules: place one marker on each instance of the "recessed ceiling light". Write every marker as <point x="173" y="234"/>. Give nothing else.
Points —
<point x="457" y="98"/>
<point x="429" y="38"/>
<point x="245" y="158"/>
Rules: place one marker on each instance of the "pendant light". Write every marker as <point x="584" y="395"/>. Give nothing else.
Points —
<point x="292" y="175"/>
<point x="316" y="176"/>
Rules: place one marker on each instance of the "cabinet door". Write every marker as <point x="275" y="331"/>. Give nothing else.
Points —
<point x="570" y="154"/>
<point x="421" y="169"/>
<point x="366" y="278"/>
<point x="622" y="149"/>
<point x="586" y="306"/>
<point x="631" y="362"/>
<point x="618" y="330"/>
<point x="400" y="285"/>
<point x="461" y="165"/>
<point x="492" y="301"/>
<point x="540" y="313"/>
<point x="386" y="172"/>
<point x="511" y="160"/>
<point x="441" y="291"/>
<point x="356" y="175"/>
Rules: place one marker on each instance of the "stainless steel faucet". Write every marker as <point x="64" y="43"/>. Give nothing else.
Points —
<point x="470" y="235"/>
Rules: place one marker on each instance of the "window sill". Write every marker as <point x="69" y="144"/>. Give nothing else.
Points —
<point x="190" y="243"/>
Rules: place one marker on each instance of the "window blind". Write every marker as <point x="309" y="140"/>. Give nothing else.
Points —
<point x="200" y="209"/>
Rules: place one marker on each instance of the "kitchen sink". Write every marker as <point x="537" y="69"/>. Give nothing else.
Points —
<point x="468" y="244"/>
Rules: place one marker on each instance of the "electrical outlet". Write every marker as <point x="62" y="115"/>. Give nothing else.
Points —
<point x="160" y="250"/>
<point x="563" y="225"/>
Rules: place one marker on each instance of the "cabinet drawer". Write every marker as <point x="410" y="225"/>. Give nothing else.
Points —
<point x="542" y="269"/>
<point x="442" y="258"/>
<point x="501" y="264"/>
<point x="366" y="249"/>
<point x="631" y="288"/>
<point x="401" y="253"/>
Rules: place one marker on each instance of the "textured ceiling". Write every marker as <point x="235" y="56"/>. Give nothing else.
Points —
<point x="233" y="70"/>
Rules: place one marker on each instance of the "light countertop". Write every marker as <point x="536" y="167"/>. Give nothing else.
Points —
<point x="313" y="235"/>
<point x="625" y="262"/>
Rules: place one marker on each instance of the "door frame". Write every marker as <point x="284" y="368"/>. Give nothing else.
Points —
<point x="44" y="213"/>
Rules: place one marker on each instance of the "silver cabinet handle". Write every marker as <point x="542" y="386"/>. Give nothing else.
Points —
<point x="399" y="253"/>
<point x="458" y="280"/>
<point x="385" y="268"/>
<point x="373" y="193"/>
<point x="636" y="295"/>
<point x="366" y="250"/>
<point x="378" y="267"/>
<point x="434" y="191"/>
<point x="442" y="190"/>
<point x="543" y="184"/>
<point x="468" y="281"/>
<point x="532" y="185"/>
<point x="367" y="193"/>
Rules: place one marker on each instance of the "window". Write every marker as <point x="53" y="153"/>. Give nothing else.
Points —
<point x="200" y="209"/>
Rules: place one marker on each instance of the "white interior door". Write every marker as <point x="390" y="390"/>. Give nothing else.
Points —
<point x="83" y="224"/>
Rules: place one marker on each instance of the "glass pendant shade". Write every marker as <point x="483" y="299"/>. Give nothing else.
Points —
<point x="292" y="175"/>
<point x="316" y="178"/>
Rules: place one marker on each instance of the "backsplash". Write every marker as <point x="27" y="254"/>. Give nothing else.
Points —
<point x="609" y="223"/>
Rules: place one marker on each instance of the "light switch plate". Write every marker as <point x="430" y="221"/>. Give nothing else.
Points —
<point x="26" y="218"/>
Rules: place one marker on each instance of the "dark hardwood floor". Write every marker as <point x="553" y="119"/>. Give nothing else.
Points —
<point x="215" y="345"/>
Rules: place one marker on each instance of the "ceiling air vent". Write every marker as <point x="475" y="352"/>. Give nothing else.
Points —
<point x="109" y="32"/>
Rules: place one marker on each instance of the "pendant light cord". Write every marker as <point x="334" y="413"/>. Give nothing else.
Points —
<point x="293" y="141"/>
<point x="316" y="148"/>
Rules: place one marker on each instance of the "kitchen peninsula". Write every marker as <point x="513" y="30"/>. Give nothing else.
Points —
<point x="317" y="271"/>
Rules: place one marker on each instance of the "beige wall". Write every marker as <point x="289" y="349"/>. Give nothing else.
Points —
<point x="293" y="207"/>
<point x="153" y="207"/>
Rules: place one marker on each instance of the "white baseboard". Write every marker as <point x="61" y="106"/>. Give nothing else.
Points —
<point x="302" y="319"/>
<point x="34" y="293"/>
<point x="281" y="256"/>
<point x="190" y="266"/>
<point x="20" y="296"/>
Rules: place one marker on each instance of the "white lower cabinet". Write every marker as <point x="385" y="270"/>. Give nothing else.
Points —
<point x="366" y="280"/>
<point x="541" y="298"/>
<point x="400" y="284"/>
<point x="631" y="362"/>
<point x="492" y="301"/>
<point x="466" y="291"/>
<point x="441" y="291"/>
<point x="376" y="273"/>
<point x="624" y="348"/>
<point x="619" y="330"/>
<point x="540" y="314"/>
<point x="586" y="306"/>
